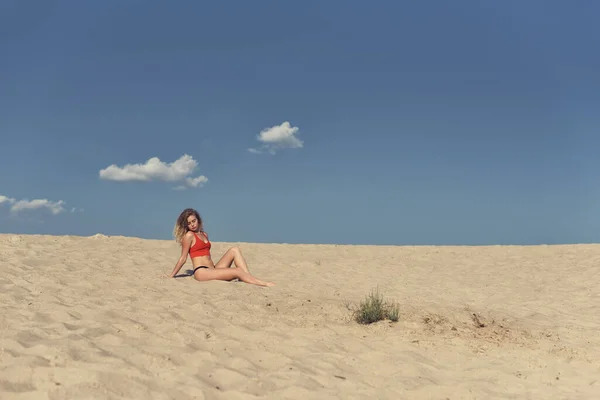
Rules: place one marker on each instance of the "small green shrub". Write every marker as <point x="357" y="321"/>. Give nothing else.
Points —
<point x="374" y="308"/>
<point x="393" y="312"/>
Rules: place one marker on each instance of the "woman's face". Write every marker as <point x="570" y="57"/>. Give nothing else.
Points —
<point x="192" y="223"/>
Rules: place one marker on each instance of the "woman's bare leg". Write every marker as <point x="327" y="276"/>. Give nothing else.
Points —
<point x="233" y="255"/>
<point x="222" y="274"/>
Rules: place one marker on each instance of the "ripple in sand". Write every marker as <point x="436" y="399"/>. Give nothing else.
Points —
<point x="16" y="387"/>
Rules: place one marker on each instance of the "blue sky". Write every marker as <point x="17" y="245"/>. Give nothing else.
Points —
<point x="348" y="122"/>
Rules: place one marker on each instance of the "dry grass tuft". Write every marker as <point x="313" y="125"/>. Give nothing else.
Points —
<point x="374" y="308"/>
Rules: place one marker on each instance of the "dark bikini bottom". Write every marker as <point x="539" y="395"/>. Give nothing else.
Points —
<point x="197" y="268"/>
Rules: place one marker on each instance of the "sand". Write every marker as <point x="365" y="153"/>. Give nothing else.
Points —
<point x="91" y="318"/>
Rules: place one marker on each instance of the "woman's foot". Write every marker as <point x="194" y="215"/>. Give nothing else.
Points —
<point x="261" y="283"/>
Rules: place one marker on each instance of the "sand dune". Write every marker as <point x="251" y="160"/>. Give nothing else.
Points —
<point x="91" y="318"/>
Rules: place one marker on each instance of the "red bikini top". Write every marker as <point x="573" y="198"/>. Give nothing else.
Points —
<point x="200" y="248"/>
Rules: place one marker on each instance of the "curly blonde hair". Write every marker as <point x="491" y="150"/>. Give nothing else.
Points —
<point x="181" y="226"/>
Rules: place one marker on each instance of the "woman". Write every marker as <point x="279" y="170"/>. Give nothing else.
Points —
<point x="190" y="234"/>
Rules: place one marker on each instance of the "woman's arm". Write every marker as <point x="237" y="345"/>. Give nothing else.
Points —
<point x="185" y="248"/>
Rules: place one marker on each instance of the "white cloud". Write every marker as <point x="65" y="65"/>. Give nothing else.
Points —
<point x="4" y="199"/>
<point x="197" y="181"/>
<point x="278" y="137"/>
<point x="156" y="170"/>
<point x="55" y="207"/>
